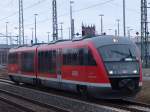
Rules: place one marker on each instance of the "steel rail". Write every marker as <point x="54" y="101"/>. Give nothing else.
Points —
<point x="15" y="95"/>
<point x="120" y="104"/>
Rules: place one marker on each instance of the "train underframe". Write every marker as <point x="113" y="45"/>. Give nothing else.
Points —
<point x="118" y="88"/>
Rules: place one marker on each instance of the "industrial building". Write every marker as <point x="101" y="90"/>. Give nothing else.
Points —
<point x="4" y="53"/>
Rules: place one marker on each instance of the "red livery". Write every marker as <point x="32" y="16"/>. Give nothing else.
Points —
<point x="103" y="66"/>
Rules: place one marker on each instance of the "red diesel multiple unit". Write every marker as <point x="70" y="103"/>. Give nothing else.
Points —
<point x="103" y="66"/>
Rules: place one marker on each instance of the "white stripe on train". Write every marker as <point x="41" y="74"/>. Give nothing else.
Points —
<point x="65" y="81"/>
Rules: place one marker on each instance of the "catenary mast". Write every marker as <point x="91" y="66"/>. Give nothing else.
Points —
<point x="55" y="24"/>
<point x="144" y="33"/>
<point x="21" y="23"/>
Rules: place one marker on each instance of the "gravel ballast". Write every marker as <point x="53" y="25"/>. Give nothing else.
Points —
<point x="4" y="107"/>
<point x="55" y="100"/>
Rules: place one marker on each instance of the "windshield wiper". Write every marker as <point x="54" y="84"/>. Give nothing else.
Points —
<point x="120" y="53"/>
<point x="129" y="57"/>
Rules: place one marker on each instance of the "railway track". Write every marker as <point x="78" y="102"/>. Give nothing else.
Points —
<point x="138" y="106"/>
<point x="26" y="104"/>
<point x="124" y="105"/>
<point x="6" y="81"/>
<point x="23" y="108"/>
<point x="128" y="105"/>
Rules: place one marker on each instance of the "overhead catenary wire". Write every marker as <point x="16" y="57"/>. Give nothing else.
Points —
<point x="75" y="11"/>
<point x="26" y="8"/>
<point x="43" y="20"/>
<point x="129" y="9"/>
<point x="82" y="9"/>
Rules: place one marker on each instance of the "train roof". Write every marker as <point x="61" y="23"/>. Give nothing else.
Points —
<point x="98" y="41"/>
<point x="109" y="39"/>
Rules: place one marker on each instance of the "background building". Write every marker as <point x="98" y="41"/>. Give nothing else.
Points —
<point x="4" y="53"/>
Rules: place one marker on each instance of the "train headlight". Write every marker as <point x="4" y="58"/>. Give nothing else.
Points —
<point x="122" y="68"/>
<point x="135" y="71"/>
<point x="111" y="72"/>
<point x="115" y="40"/>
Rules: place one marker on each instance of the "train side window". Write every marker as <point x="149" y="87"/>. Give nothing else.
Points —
<point x="13" y="58"/>
<point x="65" y="57"/>
<point x="42" y="59"/>
<point x="78" y="56"/>
<point x="47" y="62"/>
<point x="74" y="57"/>
<point x="81" y="56"/>
<point x="53" y="62"/>
<point x="27" y="62"/>
<point x="86" y="56"/>
<point x="70" y="57"/>
<point x="91" y="60"/>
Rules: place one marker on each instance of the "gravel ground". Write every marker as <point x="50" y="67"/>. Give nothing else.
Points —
<point x="144" y="95"/>
<point x="4" y="107"/>
<point x="56" y="100"/>
<point x="3" y="74"/>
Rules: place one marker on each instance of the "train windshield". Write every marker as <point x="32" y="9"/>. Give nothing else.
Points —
<point x="119" y="53"/>
<point x="120" y="59"/>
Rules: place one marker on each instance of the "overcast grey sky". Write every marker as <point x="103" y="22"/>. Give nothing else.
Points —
<point x="85" y="11"/>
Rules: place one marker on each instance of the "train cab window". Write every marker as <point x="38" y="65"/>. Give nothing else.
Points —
<point x="27" y="62"/>
<point x="13" y="58"/>
<point x="118" y="52"/>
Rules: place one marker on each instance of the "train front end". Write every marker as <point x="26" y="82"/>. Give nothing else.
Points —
<point x="121" y="59"/>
